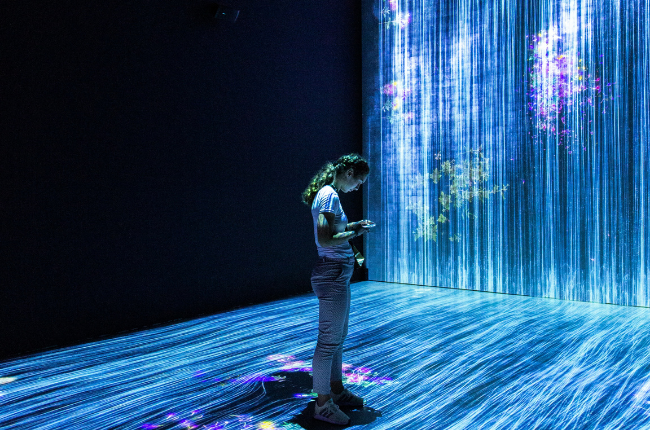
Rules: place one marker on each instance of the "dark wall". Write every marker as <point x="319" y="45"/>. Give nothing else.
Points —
<point x="153" y="158"/>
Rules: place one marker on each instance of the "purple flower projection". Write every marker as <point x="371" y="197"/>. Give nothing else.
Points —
<point x="395" y="95"/>
<point x="393" y="17"/>
<point x="561" y="84"/>
<point x="362" y="376"/>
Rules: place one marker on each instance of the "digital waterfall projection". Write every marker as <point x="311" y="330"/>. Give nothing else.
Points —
<point x="509" y="143"/>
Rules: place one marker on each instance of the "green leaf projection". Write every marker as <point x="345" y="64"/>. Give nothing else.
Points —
<point x="509" y="145"/>
<point x="464" y="184"/>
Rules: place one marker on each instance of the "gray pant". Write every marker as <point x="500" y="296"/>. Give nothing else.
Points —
<point x="330" y="280"/>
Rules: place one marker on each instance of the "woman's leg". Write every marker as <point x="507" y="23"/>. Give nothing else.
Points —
<point x="331" y="285"/>
<point x="336" y="373"/>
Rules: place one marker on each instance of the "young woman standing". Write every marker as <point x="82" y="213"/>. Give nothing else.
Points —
<point x="330" y="280"/>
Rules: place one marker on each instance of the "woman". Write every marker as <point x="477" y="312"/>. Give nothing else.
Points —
<point x="330" y="280"/>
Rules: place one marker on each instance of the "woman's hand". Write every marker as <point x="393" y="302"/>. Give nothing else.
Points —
<point x="366" y="223"/>
<point x="362" y="227"/>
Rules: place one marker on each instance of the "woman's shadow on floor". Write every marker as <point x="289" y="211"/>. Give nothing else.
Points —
<point x="358" y="417"/>
<point x="297" y="382"/>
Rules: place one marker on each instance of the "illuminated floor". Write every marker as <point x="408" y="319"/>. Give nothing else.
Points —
<point x="424" y="358"/>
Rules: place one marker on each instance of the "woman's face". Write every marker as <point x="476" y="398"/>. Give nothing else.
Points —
<point x="351" y="182"/>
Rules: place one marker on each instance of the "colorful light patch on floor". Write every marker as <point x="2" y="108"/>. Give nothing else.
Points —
<point x="422" y="357"/>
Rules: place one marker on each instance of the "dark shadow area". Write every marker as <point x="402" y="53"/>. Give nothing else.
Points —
<point x="358" y="417"/>
<point x="290" y="384"/>
<point x="293" y="383"/>
<point x="153" y="158"/>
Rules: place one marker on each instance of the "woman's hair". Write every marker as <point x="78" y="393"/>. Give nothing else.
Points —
<point x="326" y="174"/>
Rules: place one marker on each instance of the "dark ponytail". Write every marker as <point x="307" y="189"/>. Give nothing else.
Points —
<point x="326" y="174"/>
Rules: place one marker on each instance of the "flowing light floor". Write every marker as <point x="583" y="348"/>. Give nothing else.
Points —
<point x="424" y="358"/>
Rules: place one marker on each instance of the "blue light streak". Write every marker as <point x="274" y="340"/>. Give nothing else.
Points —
<point x="554" y="96"/>
<point x="422" y="357"/>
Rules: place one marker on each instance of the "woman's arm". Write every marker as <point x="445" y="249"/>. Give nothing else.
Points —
<point x="355" y="225"/>
<point x="326" y="236"/>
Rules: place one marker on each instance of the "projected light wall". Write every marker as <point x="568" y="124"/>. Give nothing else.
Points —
<point x="509" y="142"/>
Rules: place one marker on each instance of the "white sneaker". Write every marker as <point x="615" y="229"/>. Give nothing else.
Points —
<point x="330" y="413"/>
<point x="346" y="398"/>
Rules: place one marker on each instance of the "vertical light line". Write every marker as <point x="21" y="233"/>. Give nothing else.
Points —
<point x="425" y="74"/>
<point x="643" y="127"/>
<point x="644" y="164"/>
